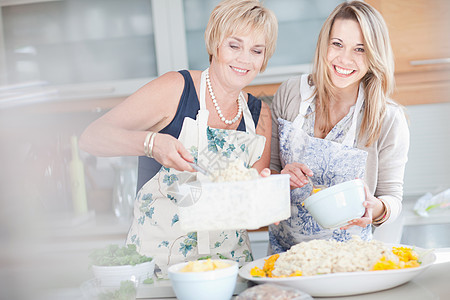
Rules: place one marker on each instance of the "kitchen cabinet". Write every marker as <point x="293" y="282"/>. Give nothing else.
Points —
<point x="77" y="50"/>
<point x="70" y="49"/>
<point x="419" y="35"/>
<point x="54" y="50"/>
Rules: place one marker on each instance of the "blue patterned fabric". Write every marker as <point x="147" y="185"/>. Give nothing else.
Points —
<point x="332" y="163"/>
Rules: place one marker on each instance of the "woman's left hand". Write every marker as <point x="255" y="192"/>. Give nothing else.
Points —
<point x="371" y="203"/>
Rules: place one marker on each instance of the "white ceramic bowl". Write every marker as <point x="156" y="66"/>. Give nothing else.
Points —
<point x="218" y="284"/>
<point x="113" y="275"/>
<point x="333" y="207"/>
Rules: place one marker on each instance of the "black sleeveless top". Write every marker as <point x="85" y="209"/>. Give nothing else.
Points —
<point x="188" y="107"/>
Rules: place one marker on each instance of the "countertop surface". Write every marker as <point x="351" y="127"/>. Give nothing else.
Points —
<point x="432" y="283"/>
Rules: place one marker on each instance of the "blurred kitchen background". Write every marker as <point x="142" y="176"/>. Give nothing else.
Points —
<point x="64" y="63"/>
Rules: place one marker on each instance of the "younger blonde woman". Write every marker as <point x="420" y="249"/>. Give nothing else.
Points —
<point x="338" y="124"/>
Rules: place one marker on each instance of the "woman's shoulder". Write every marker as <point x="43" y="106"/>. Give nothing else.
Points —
<point x="395" y="120"/>
<point x="291" y="84"/>
<point x="286" y="101"/>
<point x="179" y="76"/>
<point x="394" y="111"/>
<point x="171" y="78"/>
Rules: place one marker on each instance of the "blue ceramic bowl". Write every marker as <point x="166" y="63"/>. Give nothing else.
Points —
<point x="333" y="207"/>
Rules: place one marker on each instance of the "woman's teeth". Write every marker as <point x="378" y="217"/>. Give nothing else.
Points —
<point x="239" y="70"/>
<point x="343" y="71"/>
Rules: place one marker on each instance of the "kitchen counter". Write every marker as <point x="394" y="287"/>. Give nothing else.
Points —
<point x="79" y="238"/>
<point x="433" y="283"/>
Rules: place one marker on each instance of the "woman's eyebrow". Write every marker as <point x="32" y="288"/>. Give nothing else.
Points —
<point x="335" y="38"/>
<point x="241" y="41"/>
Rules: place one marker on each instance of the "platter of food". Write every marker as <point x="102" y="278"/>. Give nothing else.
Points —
<point x="323" y="271"/>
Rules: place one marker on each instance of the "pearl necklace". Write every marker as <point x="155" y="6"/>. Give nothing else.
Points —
<point x="216" y="105"/>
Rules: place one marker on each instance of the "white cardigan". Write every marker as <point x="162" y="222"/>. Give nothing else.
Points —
<point x="387" y="156"/>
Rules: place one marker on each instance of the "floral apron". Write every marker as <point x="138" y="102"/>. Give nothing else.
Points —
<point x="156" y="230"/>
<point x="333" y="160"/>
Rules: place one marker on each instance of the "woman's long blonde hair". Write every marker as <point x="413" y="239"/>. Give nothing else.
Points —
<point x="378" y="82"/>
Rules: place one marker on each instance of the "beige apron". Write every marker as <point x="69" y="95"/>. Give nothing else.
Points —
<point x="156" y="230"/>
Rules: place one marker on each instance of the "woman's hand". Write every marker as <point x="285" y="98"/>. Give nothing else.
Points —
<point x="171" y="153"/>
<point x="373" y="206"/>
<point x="297" y="172"/>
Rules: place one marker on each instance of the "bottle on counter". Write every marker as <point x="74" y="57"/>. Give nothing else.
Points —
<point x="77" y="179"/>
<point x="124" y="191"/>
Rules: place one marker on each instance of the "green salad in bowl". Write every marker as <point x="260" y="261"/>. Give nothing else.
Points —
<point x="114" y="255"/>
<point x="114" y="264"/>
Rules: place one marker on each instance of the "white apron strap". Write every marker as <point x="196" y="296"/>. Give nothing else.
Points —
<point x="248" y="119"/>
<point x="349" y="139"/>
<point x="306" y="92"/>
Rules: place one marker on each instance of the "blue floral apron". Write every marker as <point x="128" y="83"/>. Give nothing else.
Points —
<point x="333" y="160"/>
<point x="156" y="230"/>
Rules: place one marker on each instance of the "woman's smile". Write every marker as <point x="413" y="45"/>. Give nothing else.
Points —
<point x="239" y="70"/>
<point x="343" y="71"/>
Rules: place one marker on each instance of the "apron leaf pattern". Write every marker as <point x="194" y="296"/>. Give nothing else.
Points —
<point x="229" y="150"/>
<point x="170" y="179"/>
<point x="150" y="212"/>
<point x="172" y="198"/>
<point x="216" y="138"/>
<point x="164" y="244"/>
<point x="135" y="240"/>
<point x="175" y="219"/>
<point x="248" y="256"/>
<point x="189" y="243"/>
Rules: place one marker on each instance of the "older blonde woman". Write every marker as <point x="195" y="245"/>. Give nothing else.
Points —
<point x="194" y="116"/>
<point x="338" y="124"/>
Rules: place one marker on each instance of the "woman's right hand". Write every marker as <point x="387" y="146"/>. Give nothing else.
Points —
<point x="298" y="172"/>
<point x="171" y="153"/>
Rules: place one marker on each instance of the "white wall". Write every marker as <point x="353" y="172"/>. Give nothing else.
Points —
<point x="428" y="167"/>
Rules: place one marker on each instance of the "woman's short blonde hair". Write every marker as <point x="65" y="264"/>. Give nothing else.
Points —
<point x="241" y="16"/>
<point x="379" y="80"/>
